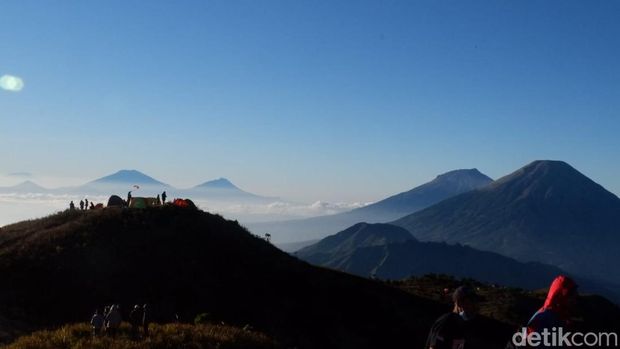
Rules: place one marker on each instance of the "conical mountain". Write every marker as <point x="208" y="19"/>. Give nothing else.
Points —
<point x="220" y="183"/>
<point x="24" y="187"/>
<point x="223" y="190"/>
<point x="128" y="177"/>
<point x="442" y="187"/>
<point x="546" y="211"/>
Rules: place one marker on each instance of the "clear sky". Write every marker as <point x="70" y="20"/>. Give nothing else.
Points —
<point x="308" y="100"/>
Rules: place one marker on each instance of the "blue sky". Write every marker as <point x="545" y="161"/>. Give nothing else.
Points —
<point x="309" y="100"/>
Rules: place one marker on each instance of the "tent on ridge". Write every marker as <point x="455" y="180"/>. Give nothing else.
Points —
<point x="141" y="202"/>
<point x="115" y="201"/>
<point x="185" y="203"/>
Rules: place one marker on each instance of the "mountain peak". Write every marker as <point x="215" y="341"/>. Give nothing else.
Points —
<point x="28" y="185"/>
<point x="128" y="177"/>
<point x="220" y="183"/>
<point x="462" y="173"/>
<point x="546" y="174"/>
<point x="548" y="165"/>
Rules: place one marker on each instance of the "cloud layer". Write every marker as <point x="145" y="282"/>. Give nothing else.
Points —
<point x="18" y="206"/>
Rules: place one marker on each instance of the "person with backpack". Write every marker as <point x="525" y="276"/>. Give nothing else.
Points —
<point x="451" y="330"/>
<point x="557" y="310"/>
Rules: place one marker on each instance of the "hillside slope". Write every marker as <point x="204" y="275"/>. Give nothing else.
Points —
<point x="390" y="252"/>
<point x="187" y="262"/>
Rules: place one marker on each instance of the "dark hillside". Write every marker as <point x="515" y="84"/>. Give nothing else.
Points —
<point x="187" y="262"/>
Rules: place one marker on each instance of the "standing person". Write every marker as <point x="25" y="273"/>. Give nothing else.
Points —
<point x="128" y="198"/>
<point x="71" y="206"/>
<point x="96" y="322"/>
<point x="450" y="331"/>
<point x="158" y="200"/>
<point x="557" y="310"/>
<point x="163" y="197"/>
<point x="86" y="204"/>
<point x="146" y="320"/>
<point x="113" y="320"/>
<point x="81" y="205"/>
<point x="135" y="319"/>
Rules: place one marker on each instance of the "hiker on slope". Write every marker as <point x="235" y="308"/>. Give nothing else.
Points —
<point x="96" y="322"/>
<point x="135" y="318"/>
<point x="460" y="328"/>
<point x="113" y="320"/>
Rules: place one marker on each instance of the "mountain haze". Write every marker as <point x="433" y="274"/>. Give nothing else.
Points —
<point x="396" y="206"/>
<point x="24" y="187"/>
<point x="387" y="251"/>
<point x="546" y="212"/>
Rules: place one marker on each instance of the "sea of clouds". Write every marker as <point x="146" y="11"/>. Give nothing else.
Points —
<point x="16" y="207"/>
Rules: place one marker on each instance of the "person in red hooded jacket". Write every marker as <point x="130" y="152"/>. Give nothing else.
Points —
<point x="556" y="312"/>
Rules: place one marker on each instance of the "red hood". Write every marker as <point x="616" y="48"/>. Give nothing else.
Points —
<point x="559" y="294"/>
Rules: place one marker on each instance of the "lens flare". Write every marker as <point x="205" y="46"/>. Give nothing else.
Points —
<point x="11" y="83"/>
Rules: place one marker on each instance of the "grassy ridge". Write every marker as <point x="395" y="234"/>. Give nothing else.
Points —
<point x="168" y="336"/>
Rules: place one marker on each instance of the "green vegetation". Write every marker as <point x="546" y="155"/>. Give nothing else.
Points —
<point x="169" y="336"/>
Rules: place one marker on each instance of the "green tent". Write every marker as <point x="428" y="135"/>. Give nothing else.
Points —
<point x="137" y="202"/>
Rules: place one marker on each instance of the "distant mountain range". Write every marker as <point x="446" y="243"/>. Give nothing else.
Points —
<point x="124" y="180"/>
<point x="387" y="251"/>
<point x="546" y="212"/>
<point x="442" y="187"/>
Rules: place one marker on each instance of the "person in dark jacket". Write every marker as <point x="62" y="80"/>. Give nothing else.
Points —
<point x="113" y="320"/>
<point x="146" y="320"/>
<point x="135" y="319"/>
<point x="96" y="323"/>
<point x="163" y="197"/>
<point x="450" y="331"/>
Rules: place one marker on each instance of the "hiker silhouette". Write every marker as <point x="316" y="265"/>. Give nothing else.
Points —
<point x="97" y="322"/>
<point x="135" y="319"/>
